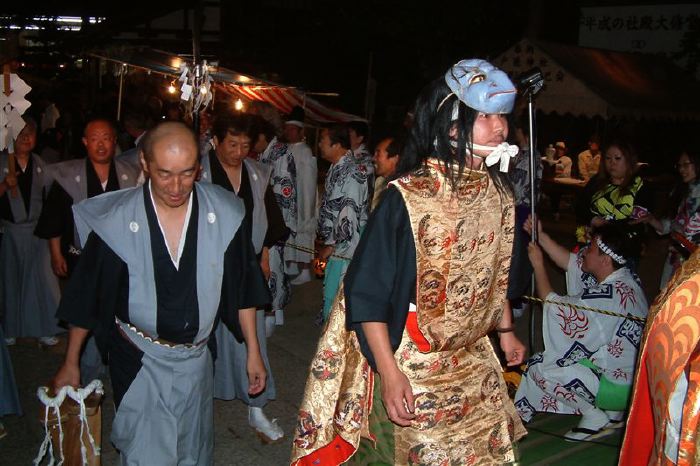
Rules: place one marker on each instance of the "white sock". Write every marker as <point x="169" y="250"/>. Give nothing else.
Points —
<point x="279" y="316"/>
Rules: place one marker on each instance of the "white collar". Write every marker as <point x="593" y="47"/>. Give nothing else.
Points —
<point x="183" y="233"/>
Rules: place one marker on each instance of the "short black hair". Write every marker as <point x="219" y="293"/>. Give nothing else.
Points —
<point x="360" y="127"/>
<point x="261" y="126"/>
<point x="339" y="134"/>
<point x="109" y="122"/>
<point x="622" y="239"/>
<point x="396" y="145"/>
<point x="235" y="125"/>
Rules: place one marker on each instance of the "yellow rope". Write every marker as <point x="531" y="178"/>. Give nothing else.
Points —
<point x="313" y="251"/>
<point x="529" y="298"/>
<point x="585" y="308"/>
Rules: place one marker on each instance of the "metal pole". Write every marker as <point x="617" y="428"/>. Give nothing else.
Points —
<point x="533" y="201"/>
<point x="121" y="90"/>
<point x="197" y="57"/>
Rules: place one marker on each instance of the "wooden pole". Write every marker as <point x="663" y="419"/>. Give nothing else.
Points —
<point x="122" y="72"/>
<point x="11" y="167"/>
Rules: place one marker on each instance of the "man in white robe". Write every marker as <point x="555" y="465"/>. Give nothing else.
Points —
<point x="586" y="353"/>
<point x="306" y="201"/>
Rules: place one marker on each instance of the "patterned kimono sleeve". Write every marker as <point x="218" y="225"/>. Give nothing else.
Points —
<point x="691" y="229"/>
<point x="345" y="204"/>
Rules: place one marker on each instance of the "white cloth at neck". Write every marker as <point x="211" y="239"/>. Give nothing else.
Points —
<point x="501" y="153"/>
<point x="183" y="233"/>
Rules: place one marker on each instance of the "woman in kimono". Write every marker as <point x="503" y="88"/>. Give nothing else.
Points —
<point x="28" y="288"/>
<point x="405" y="372"/>
<point x="586" y="354"/>
<point x="684" y="223"/>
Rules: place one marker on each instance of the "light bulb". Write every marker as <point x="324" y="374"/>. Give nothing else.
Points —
<point x="238" y="105"/>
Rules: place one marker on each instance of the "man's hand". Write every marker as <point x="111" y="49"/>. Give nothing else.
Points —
<point x="598" y="221"/>
<point x="10" y="181"/>
<point x="512" y="347"/>
<point x="68" y="374"/>
<point x="527" y="226"/>
<point x="397" y="395"/>
<point x="257" y="376"/>
<point x="59" y="265"/>
<point x="325" y="252"/>
<point x="265" y="263"/>
<point x="534" y="252"/>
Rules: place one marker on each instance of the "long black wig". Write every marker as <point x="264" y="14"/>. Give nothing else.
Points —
<point x="429" y="136"/>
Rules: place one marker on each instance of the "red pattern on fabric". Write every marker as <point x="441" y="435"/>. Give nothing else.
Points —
<point x="416" y="335"/>
<point x="336" y="452"/>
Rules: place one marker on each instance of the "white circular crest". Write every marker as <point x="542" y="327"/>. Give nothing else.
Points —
<point x="134" y="227"/>
<point x="211" y="217"/>
<point x="77" y="179"/>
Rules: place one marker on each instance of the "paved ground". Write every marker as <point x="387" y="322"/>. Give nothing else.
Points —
<point x="290" y="350"/>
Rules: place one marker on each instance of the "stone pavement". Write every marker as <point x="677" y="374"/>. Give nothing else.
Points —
<point x="290" y="348"/>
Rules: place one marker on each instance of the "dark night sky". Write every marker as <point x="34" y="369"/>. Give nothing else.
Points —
<point x="319" y="45"/>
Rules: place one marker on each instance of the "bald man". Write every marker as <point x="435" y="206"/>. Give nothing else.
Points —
<point x="161" y="264"/>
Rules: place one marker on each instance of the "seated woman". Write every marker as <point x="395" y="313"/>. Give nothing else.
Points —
<point x="684" y="227"/>
<point x="587" y="355"/>
<point x="612" y="194"/>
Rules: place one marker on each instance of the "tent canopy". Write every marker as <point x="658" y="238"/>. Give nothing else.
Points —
<point x="284" y="98"/>
<point x="595" y="82"/>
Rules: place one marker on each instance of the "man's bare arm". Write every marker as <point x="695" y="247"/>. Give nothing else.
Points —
<point x="69" y="372"/>
<point x="257" y="375"/>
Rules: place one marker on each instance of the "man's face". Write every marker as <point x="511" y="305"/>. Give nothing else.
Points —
<point x="233" y="149"/>
<point x="100" y="141"/>
<point x="489" y="130"/>
<point x="26" y="140"/>
<point x="173" y="169"/>
<point x="594" y="147"/>
<point x="384" y="165"/>
<point x="324" y="144"/>
<point x="292" y="133"/>
<point x="592" y="258"/>
<point x="355" y="139"/>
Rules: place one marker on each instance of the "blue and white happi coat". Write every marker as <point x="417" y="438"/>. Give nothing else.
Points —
<point x="555" y="381"/>
<point x="344" y="206"/>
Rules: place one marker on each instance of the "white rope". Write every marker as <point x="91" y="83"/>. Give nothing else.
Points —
<point x="55" y="403"/>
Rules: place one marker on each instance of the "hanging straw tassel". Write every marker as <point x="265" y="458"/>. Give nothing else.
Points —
<point x="55" y="403"/>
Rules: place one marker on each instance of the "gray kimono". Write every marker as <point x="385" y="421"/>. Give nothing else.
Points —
<point x="29" y="290"/>
<point x="152" y="318"/>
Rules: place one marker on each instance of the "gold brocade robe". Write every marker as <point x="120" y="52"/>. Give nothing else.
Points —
<point x="463" y="239"/>
<point x="671" y="345"/>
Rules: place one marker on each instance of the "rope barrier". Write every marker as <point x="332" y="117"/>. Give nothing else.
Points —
<point x="529" y="298"/>
<point x="585" y="308"/>
<point x="313" y="251"/>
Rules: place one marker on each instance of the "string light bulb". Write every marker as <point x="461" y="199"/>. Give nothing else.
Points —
<point x="238" y="105"/>
<point x="171" y="88"/>
<point x="203" y="90"/>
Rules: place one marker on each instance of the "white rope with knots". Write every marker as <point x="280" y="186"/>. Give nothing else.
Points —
<point x="55" y="403"/>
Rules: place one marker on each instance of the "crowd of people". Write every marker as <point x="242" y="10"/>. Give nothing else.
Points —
<point x="169" y="262"/>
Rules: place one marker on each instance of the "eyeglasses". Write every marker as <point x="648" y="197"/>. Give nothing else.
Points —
<point x="684" y="164"/>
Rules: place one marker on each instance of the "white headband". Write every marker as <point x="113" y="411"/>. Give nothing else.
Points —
<point x="606" y="249"/>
